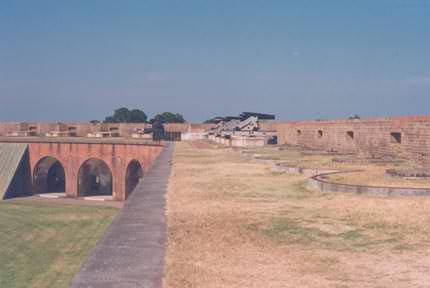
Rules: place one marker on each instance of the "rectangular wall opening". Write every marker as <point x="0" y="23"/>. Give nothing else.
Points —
<point x="72" y="131"/>
<point x="396" y="137"/>
<point x="320" y="133"/>
<point x="350" y="135"/>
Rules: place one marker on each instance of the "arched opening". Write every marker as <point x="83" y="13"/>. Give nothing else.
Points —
<point x="133" y="175"/>
<point x="49" y="176"/>
<point x="94" y="178"/>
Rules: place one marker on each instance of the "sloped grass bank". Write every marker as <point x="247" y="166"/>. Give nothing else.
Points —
<point x="42" y="244"/>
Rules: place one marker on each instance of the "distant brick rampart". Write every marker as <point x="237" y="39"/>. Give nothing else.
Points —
<point x="405" y="137"/>
<point x="83" y="129"/>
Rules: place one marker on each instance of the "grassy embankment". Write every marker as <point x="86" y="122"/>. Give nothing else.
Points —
<point x="42" y="244"/>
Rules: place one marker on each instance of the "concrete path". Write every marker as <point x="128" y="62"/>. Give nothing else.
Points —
<point x="131" y="252"/>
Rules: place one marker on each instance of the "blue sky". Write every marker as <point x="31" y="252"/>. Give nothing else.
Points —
<point x="78" y="60"/>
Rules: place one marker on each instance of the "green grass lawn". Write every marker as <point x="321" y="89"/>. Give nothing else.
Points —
<point x="43" y="244"/>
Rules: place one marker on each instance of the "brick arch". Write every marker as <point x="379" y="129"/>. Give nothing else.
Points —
<point x="134" y="172"/>
<point x="102" y="164"/>
<point x="40" y="174"/>
<point x="73" y="154"/>
<point x="83" y="161"/>
<point x="39" y="158"/>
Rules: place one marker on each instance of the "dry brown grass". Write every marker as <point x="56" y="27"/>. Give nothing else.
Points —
<point x="373" y="174"/>
<point x="234" y="223"/>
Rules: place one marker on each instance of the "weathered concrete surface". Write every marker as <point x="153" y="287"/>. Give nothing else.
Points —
<point x="10" y="158"/>
<point x="131" y="252"/>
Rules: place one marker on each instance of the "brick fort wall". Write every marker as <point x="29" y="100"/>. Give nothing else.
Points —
<point x="405" y="137"/>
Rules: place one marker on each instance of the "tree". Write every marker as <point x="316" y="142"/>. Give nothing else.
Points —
<point x="137" y="116"/>
<point x="168" y="117"/>
<point x="124" y="115"/>
<point x="121" y="115"/>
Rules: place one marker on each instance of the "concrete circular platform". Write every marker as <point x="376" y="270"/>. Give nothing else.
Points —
<point x="320" y="183"/>
<point x="318" y="180"/>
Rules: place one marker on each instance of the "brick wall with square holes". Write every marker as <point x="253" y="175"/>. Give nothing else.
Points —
<point x="403" y="137"/>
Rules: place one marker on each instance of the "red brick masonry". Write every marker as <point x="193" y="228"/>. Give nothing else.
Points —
<point x="82" y="129"/>
<point x="406" y="137"/>
<point x="73" y="152"/>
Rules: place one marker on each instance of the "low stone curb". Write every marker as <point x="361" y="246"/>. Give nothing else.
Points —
<point x="308" y="172"/>
<point x="316" y="182"/>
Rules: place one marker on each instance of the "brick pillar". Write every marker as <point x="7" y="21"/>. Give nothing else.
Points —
<point x="71" y="178"/>
<point x="118" y="189"/>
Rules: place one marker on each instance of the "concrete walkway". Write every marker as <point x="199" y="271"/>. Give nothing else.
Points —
<point x="131" y="252"/>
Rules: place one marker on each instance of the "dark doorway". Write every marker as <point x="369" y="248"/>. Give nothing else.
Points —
<point x="273" y="140"/>
<point x="94" y="178"/>
<point x="49" y="176"/>
<point x="133" y="176"/>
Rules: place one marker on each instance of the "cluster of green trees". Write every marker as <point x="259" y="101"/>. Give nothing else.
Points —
<point x="168" y="117"/>
<point x="125" y="115"/>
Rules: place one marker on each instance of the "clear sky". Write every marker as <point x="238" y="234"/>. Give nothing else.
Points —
<point x="78" y="60"/>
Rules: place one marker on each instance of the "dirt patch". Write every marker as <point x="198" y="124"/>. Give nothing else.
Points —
<point x="234" y="223"/>
<point x="200" y="144"/>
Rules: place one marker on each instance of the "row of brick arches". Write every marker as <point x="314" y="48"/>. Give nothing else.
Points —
<point x="94" y="177"/>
